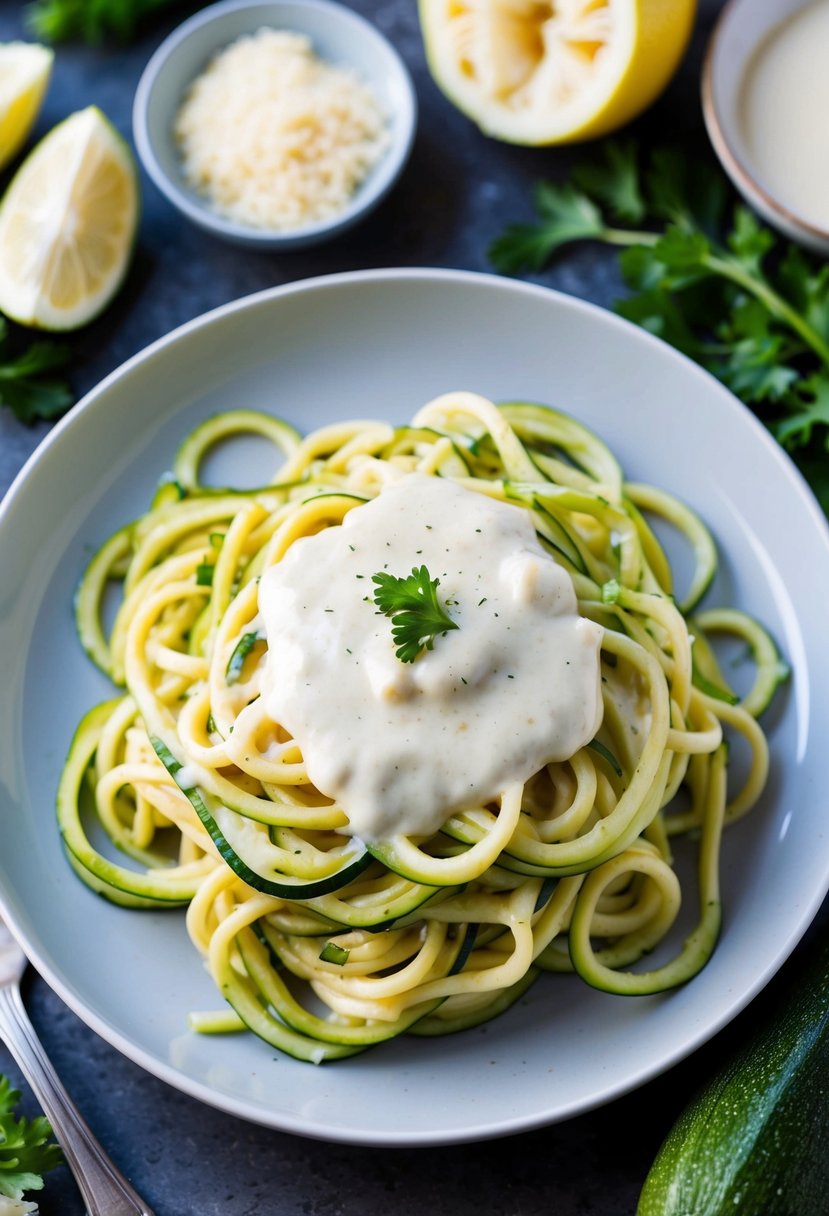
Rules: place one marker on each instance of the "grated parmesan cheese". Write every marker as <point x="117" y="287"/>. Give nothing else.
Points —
<point x="274" y="136"/>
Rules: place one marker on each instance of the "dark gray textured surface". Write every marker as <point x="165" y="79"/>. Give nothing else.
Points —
<point x="188" y="1159"/>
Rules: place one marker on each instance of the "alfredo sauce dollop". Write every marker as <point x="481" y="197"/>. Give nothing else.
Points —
<point x="400" y="746"/>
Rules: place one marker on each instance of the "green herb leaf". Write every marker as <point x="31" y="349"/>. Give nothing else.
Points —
<point x="614" y="181"/>
<point x="688" y="193"/>
<point x="749" y="241"/>
<point x="704" y="275"/>
<point x="810" y="409"/>
<point x="91" y="21"/>
<point x="27" y="383"/>
<point x="815" y="468"/>
<point x="657" y="312"/>
<point x="204" y="574"/>
<point x="807" y="286"/>
<point x="682" y="250"/>
<point x="417" y="617"/>
<point x="26" y="1152"/>
<point x="756" y="371"/>
<point x="566" y="215"/>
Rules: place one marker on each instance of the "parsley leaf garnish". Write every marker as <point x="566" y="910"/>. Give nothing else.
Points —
<point x="566" y="215"/>
<point x="26" y="1152"/>
<point x="705" y="275"/>
<point x="90" y="20"/>
<point x="615" y="182"/>
<point x="417" y="617"/>
<point x="28" y="385"/>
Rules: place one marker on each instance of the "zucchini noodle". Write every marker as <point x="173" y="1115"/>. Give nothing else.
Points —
<point x="324" y="944"/>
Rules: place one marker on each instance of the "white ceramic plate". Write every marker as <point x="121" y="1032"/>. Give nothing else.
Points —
<point x="380" y="344"/>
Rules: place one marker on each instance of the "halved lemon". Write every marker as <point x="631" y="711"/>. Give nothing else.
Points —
<point x="67" y="224"/>
<point x="554" y="71"/>
<point x="25" y="68"/>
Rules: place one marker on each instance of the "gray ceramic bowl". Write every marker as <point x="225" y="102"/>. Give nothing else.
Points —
<point x="338" y="35"/>
<point x="377" y="345"/>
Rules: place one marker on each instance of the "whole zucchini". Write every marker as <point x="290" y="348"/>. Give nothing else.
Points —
<point x="755" y="1141"/>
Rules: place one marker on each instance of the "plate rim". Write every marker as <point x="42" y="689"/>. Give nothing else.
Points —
<point x="96" y="398"/>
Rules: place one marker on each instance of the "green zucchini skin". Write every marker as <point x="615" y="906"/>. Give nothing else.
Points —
<point x="286" y="887"/>
<point x="755" y="1141"/>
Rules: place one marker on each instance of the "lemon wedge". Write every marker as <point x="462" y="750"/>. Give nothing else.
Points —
<point x="553" y="71"/>
<point x="25" y="68"/>
<point x="67" y="224"/>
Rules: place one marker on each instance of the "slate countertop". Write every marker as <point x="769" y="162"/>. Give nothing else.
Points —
<point x="187" y="1159"/>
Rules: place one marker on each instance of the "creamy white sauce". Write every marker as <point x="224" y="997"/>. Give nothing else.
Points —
<point x="400" y="746"/>
<point x="784" y="103"/>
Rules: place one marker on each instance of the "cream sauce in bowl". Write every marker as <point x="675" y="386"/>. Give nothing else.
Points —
<point x="765" y="91"/>
<point x="784" y="101"/>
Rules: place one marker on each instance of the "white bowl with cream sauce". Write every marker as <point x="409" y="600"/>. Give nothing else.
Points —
<point x="765" y="93"/>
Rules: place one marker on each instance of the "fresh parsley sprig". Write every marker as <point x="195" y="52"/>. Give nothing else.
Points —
<point x="91" y="21"/>
<point x="417" y="616"/>
<point x="706" y="276"/>
<point x="28" y="383"/>
<point x="26" y="1151"/>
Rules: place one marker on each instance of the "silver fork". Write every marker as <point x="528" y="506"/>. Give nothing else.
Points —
<point x="105" y="1190"/>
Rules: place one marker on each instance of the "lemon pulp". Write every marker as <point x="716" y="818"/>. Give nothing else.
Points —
<point x="67" y="224"/>
<point x="25" y="68"/>
<point x="553" y="71"/>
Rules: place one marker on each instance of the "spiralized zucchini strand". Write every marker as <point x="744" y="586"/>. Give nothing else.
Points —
<point x="324" y="946"/>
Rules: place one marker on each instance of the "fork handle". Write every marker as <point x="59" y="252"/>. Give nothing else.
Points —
<point x="105" y="1190"/>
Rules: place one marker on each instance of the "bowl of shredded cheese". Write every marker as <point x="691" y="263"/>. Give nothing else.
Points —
<point x="275" y="124"/>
